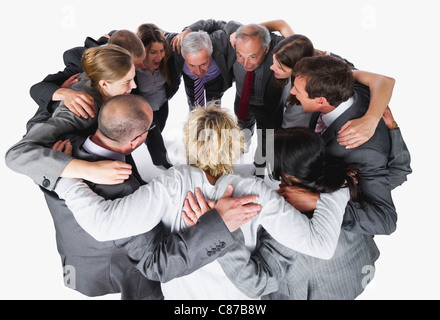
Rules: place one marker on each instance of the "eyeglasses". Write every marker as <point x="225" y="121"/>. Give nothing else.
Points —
<point x="152" y="126"/>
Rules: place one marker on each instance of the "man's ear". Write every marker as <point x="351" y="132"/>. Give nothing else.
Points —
<point x="135" y="143"/>
<point x="321" y="102"/>
<point x="267" y="50"/>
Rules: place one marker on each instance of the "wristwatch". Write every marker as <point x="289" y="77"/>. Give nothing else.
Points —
<point x="394" y="126"/>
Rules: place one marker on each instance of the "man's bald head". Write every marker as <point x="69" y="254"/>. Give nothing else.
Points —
<point x="124" y="117"/>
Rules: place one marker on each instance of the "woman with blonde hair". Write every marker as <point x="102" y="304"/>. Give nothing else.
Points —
<point x="213" y="143"/>
<point x="109" y="71"/>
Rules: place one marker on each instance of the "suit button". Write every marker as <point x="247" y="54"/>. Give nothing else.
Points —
<point x="209" y="253"/>
<point x="46" y="183"/>
<point x="219" y="248"/>
<point x="223" y="244"/>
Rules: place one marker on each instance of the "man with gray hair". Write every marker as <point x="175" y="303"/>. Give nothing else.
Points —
<point x="203" y="63"/>
<point x="258" y="100"/>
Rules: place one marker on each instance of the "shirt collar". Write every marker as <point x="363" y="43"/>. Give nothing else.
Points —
<point x="328" y="118"/>
<point x="94" y="149"/>
<point x="212" y="73"/>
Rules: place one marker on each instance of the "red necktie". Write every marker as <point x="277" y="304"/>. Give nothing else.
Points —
<point x="243" y="106"/>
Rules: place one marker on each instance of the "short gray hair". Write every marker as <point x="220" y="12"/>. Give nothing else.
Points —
<point x="195" y="42"/>
<point x="254" y="30"/>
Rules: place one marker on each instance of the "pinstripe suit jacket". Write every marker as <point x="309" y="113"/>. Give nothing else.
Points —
<point x="280" y="273"/>
<point x="276" y="272"/>
<point x="343" y="277"/>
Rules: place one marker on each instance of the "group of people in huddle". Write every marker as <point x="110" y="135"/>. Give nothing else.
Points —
<point x="326" y="138"/>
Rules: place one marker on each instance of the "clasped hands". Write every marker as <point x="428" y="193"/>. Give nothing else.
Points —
<point x="234" y="212"/>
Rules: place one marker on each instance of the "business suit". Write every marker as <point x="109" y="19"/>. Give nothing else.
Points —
<point x="376" y="214"/>
<point x="270" y="115"/>
<point x="214" y="88"/>
<point x="110" y="267"/>
<point x="279" y="273"/>
<point x="100" y="267"/>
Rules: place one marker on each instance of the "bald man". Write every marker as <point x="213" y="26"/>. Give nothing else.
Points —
<point x="99" y="268"/>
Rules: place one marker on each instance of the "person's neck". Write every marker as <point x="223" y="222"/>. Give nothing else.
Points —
<point x="320" y="52"/>
<point x="327" y="109"/>
<point x="99" y="139"/>
<point x="104" y="98"/>
<point x="212" y="180"/>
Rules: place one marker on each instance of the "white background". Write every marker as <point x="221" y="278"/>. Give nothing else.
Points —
<point x="395" y="38"/>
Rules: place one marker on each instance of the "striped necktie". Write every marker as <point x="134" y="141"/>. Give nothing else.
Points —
<point x="320" y="126"/>
<point x="199" y="93"/>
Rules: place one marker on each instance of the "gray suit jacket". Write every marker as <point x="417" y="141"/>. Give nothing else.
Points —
<point x="113" y="266"/>
<point x="279" y="273"/>
<point x="376" y="213"/>
<point x="32" y="155"/>
<point x="100" y="267"/>
<point x="343" y="277"/>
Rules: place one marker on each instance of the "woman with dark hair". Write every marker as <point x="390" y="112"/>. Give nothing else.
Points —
<point x="300" y="161"/>
<point x="157" y="84"/>
<point x="276" y="272"/>
<point x="155" y="78"/>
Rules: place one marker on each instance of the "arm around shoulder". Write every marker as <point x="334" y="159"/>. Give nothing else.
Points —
<point x="182" y="253"/>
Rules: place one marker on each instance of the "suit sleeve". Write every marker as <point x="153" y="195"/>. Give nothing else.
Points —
<point x="209" y="25"/>
<point x="32" y="155"/>
<point x="375" y="213"/>
<point x="257" y="273"/>
<point x="399" y="161"/>
<point x="181" y="253"/>
<point x="43" y="91"/>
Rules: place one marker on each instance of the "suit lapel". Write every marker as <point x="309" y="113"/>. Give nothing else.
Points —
<point x="268" y="61"/>
<point x="135" y="172"/>
<point x="356" y="110"/>
<point x="313" y="120"/>
<point x="221" y="62"/>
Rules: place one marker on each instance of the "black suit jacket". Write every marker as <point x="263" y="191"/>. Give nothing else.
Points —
<point x="43" y="91"/>
<point x="376" y="214"/>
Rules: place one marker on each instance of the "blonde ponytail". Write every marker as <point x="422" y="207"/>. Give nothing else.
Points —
<point x="109" y="63"/>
